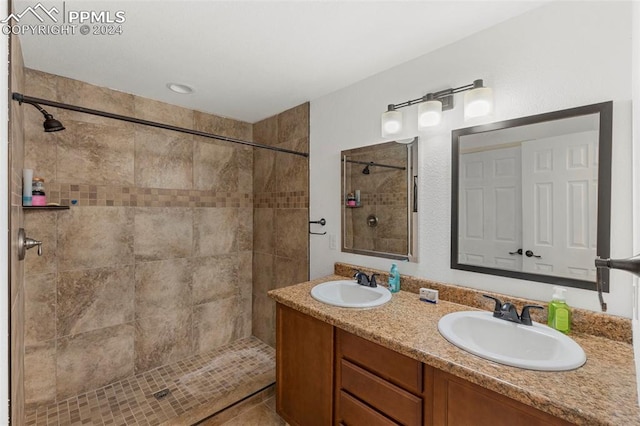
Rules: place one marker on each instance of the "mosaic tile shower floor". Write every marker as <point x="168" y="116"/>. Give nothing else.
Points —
<point x="199" y="387"/>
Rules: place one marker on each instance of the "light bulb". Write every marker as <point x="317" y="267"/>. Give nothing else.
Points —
<point x="391" y="123"/>
<point x="478" y="102"/>
<point x="429" y="114"/>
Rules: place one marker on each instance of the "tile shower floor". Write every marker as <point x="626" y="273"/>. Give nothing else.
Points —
<point x="198" y="387"/>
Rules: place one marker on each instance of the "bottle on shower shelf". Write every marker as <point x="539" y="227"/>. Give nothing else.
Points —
<point x="351" y="200"/>
<point x="27" y="187"/>
<point x="39" y="198"/>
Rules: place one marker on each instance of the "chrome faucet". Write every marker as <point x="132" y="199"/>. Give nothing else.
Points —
<point x="363" y="279"/>
<point x="509" y="312"/>
<point x="631" y="264"/>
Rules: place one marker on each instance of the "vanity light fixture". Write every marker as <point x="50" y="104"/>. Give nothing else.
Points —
<point x="391" y="122"/>
<point x="429" y="112"/>
<point x="478" y="102"/>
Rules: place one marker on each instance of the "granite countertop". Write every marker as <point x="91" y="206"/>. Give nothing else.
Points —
<point x="602" y="392"/>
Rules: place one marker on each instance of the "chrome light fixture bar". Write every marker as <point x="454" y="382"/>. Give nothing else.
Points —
<point x="478" y="102"/>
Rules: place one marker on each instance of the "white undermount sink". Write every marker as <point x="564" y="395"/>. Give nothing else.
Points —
<point x="534" y="347"/>
<point x="350" y="294"/>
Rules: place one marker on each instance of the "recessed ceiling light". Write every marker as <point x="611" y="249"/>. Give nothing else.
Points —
<point x="180" y="88"/>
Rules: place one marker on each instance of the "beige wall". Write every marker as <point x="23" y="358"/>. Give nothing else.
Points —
<point x="16" y="156"/>
<point x="149" y="266"/>
<point x="281" y="213"/>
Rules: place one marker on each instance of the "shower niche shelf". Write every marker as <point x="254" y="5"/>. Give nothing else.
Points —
<point x="45" y="207"/>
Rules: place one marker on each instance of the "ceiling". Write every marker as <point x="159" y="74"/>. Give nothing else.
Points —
<point x="251" y="60"/>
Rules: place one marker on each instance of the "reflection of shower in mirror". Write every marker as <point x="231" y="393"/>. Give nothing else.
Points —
<point x="378" y="196"/>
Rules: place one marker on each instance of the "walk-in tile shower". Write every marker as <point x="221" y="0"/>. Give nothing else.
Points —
<point x="167" y="250"/>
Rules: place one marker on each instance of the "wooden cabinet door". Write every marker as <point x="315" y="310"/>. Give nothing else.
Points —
<point x="458" y="402"/>
<point x="304" y="368"/>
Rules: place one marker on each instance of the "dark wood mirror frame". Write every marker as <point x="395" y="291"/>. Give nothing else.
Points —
<point x="605" y="111"/>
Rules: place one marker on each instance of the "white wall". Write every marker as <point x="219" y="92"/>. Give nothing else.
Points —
<point x="559" y="56"/>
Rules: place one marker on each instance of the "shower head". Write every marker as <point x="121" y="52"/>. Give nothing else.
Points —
<point x="50" y="124"/>
<point x="366" y="170"/>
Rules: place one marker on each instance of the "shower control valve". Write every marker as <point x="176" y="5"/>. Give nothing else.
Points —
<point x="25" y="243"/>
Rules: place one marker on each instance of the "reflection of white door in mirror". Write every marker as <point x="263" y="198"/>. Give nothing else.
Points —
<point x="549" y="184"/>
<point x="490" y="207"/>
<point x="559" y="178"/>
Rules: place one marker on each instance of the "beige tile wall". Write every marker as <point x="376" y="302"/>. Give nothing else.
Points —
<point x="148" y="267"/>
<point x="281" y="213"/>
<point x="17" y="295"/>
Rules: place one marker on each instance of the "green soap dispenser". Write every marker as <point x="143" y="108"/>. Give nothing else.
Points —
<point x="559" y="312"/>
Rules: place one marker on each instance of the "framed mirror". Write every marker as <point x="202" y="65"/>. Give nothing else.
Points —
<point x="379" y="200"/>
<point x="531" y="197"/>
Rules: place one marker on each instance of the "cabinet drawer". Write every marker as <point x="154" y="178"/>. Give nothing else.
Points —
<point x="354" y="412"/>
<point x="392" y="366"/>
<point x="396" y="403"/>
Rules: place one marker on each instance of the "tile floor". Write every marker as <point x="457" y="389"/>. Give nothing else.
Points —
<point x="260" y="414"/>
<point x="198" y="387"/>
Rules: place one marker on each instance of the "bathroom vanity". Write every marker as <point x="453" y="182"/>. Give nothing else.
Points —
<point x="389" y="365"/>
